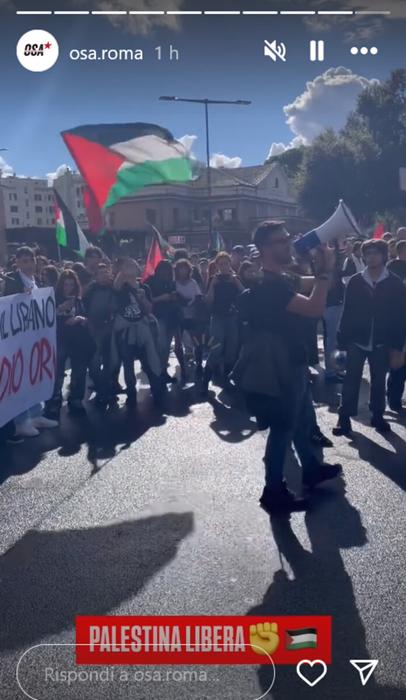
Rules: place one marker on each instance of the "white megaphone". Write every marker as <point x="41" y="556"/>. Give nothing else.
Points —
<point x="340" y="225"/>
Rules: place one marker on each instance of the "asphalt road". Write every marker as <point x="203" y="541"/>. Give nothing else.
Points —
<point x="135" y="513"/>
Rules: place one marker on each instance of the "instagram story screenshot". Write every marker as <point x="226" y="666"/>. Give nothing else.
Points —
<point x="202" y="349"/>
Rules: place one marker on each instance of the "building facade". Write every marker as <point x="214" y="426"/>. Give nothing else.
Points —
<point x="237" y="200"/>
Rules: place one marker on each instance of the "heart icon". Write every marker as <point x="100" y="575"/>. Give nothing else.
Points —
<point x="316" y="662"/>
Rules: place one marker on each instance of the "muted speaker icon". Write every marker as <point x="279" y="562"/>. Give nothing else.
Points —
<point x="274" y="50"/>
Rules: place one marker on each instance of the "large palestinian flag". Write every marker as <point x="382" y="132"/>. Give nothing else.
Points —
<point x="117" y="160"/>
<point x="68" y="232"/>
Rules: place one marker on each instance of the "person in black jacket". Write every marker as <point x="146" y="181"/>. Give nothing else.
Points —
<point x="373" y="323"/>
<point x="73" y="342"/>
<point x="23" y="278"/>
<point x="100" y="302"/>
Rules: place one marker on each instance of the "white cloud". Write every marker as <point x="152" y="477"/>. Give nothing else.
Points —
<point x="276" y="149"/>
<point x="5" y="169"/>
<point x="325" y="103"/>
<point x="219" y="160"/>
<point x="188" y="141"/>
<point x="58" y="172"/>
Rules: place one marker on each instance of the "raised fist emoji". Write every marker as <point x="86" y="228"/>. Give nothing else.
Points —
<point x="264" y="638"/>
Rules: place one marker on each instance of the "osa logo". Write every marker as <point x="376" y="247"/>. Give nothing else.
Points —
<point x="37" y="50"/>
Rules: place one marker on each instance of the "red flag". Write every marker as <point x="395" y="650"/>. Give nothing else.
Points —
<point x="379" y="231"/>
<point x="94" y="214"/>
<point x="154" y="257"/>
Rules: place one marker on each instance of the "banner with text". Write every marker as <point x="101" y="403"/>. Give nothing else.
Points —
<point x="27" y="351"/>
<point x="202" y="639"/>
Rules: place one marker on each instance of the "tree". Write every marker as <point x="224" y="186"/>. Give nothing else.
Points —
<point x="361" y="163"/>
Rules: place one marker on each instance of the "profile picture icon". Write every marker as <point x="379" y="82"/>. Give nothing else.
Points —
<point x="37" y="50"/>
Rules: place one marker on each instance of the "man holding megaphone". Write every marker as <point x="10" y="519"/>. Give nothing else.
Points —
<point x="277" y="314"/>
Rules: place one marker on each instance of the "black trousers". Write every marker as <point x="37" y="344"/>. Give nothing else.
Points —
<point x="396" y="386"/>
<point x="79" y="363"/>
<point x="378" y="360"/>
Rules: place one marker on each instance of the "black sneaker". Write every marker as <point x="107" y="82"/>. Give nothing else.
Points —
<point x="76" y="407"/>
<point x="168" y="379"/>
<point x="380" y="424"/>
<point x="14" y="439"/>
<point x="281" y="500"/>
<point x="320" y="440"/>
<point x="131" y="398"/>
<point x="321" y="472"/>
<point x="343" y="426"/>
<point x="396" y="407"/>
<point x="333" y="379"/>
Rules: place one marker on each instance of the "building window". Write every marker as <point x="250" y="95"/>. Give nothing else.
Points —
<point x="25" y="190"/>
<point x="176" y="216"/>
<point x="37" y="198"/>
<point x="15" y="221"/>
<point x="53" y="221"/>
<point x="14" y="209"/>
<point x="276" y="183"/>
<point x="151" y="216"/>
<point x="38" y="210"/>
<point x="51" y="210"/>
<point x="227" y="214"/>
<point x="39" y="222"/>
<point x="27" y="204"/>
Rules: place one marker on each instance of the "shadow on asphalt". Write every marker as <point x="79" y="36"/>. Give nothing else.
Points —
<point x="391" y="464"/>
<point x="321" y="586"/>
<point x="231" y="424"/>
<point x="50" y="577"/>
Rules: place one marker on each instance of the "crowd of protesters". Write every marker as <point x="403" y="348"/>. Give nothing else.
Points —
<point x="247" y="321"/>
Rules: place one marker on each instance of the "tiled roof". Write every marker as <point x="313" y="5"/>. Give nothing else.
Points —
<point x="250" y="176"/>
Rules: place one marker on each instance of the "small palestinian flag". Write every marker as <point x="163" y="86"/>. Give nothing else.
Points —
<point x="379" y="231"/>
<point x="158" y="249"/>
<point x="117" y="160"/>
<point x="68" y="232"/>
<point x="216" y="242"/>
<point x="163" y="244"/>
<point x="301" y="639"/>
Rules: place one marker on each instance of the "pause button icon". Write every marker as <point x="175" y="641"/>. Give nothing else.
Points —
<point x="317" y="50"/>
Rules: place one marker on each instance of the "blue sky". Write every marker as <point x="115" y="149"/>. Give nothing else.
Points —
<point x="219" y="58"/>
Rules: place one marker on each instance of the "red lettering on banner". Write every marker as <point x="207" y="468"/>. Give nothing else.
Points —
<point x="10" y="383"/>
<point x="35" y="351"/>
<point x="17" y="358"/>
<point x="46" y="356"/>
<point x="42" y="361"/>
<point x="5" y="363"/>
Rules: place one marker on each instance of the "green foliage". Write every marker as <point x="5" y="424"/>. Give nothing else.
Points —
<point x="361" y="163"/>
<point x="291" y="160"/>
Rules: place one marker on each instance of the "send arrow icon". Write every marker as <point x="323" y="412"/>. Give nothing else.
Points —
<point x="365" y="668"/>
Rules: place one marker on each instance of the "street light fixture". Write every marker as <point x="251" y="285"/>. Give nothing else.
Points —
<point x="206" y="102"/>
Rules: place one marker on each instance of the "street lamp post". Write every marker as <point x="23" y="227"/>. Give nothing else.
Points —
<point x="206" y="102"/>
